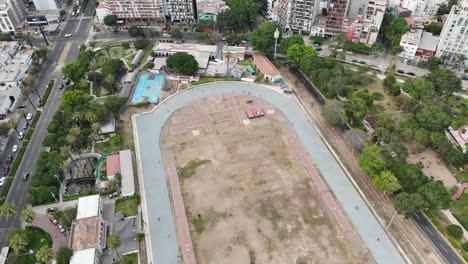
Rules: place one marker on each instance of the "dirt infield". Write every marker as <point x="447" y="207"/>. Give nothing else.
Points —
<point x="248" y="198"/>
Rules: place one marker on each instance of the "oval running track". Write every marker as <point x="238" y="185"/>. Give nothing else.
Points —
<point x="157" y="213"/>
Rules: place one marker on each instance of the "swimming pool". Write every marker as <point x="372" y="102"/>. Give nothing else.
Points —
<point x="148" y="88"/>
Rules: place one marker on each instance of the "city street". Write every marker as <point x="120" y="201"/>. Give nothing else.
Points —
<point x="64" y="50"/>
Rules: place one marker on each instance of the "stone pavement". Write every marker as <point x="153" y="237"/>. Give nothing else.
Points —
<point x="58" y="239"/>
<point x="155" y="197"/>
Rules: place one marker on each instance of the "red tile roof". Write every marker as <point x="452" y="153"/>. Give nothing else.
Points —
<point x="264" y="65"/>
<point x="112" y="164"/>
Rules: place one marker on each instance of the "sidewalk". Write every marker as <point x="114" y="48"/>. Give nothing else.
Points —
<point x="454" y="221"/>
<point x="41" y="209"/>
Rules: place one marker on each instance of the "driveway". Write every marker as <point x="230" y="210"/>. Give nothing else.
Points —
<point x="59" y="239"/>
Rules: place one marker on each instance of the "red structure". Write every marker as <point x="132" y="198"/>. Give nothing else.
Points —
<point x="336" y="16"/>
<point x="254" y="112"/>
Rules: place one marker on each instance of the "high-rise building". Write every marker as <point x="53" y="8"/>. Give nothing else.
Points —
<point x="422" y="8"/>
<point x="132" y="10"/>
<point x="12" y="14"/>
<point x="454" y="36"/>
<point x="272" y="10"/>
<point x="335" y="19"/>
<point x="364" y="23"/>
<point x="298" y="15"/>
<point x="180" y="10"/>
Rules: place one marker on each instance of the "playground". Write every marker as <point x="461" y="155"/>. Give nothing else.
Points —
<point x="247" y="195"/>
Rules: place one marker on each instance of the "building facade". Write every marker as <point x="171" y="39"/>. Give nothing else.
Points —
<point x="209" y="9"/>
<point x="272" y="10"/>
<point x="365" y="27"/>
<point x="12" y="14"/>
<point x="454" y="36"/>
<point x="410" y="42"/>
<point x="298" y="16"/>
<point x="428" y="45"/>
<point x="422" y="8"/>
<point x="47" y="4"/>
<point x="184" y="11"/>
<point x="335" y="18"/>
<point x="136" y="11"/>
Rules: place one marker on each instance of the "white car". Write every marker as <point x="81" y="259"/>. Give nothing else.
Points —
<point x="29" y="116"/>
<point x="73" y="13"/>
<point x="349" y="52"/>
<point x="14" y="148"/>
<point x="2" y="181"/>
<point x="21" y="135"/>
<point x="68" y="35"/>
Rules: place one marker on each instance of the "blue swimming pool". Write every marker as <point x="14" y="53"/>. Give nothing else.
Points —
<point x="148" y="88"/>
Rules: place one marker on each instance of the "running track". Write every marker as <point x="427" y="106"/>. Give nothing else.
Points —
<point x="161" y="242"/>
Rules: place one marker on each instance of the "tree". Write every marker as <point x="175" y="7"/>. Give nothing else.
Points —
<point x="176" y="33"/>
<point x="445" y="81"/>
<point x="340" y="38"/>
<point x="141" y="43"/>
<point x="241" y="14"/>
<point x="370" y="160"/>
<point x="44" y="254"/>
<point x="263" y="37"/>
<point x="109" y="83"/>
<point x="356" y="138"/>
<point x="297" y="52"/>
<point x="288" y="42"/>
<point x="410" y="176"/>
<point x="74" y="71"/>
<point x="62" y="13"/>
<point x="110" y="20"/>
<point x="421" y="139"/>
<point x="436" y="195"/>
<point x="455" y="231"/>
<point x="28" y="38"/>
<point x="73" y="100"/>
<point x="395" y="152"/>
<point x="135" y="32"/>
<point x="12" y="125"/>
<point x="397" y="49"/>
<point x="228" y="58"/>
<point x="445" y="8"/>
<point x="386" y="182"/>
<point x="378" y="47"/>
<point x="334" y="113"/>
<point x="432" y="118"/>
<point x="114" y="242"/>
<point x="418" y="88"/>
<point x="317" y="40"/>
<point x="112" y="67"/>
<point x="234" y="39"/>
<point x="18" y="240"/>
<point x="434" y="27"/>
<point x="183" y="63"/>
<point x="207" y="36"/>
<point x="4" y="129"/>
<point x="41" y="53"/>
<point x="113" y="104"/>
<point x="8" y="210"/>
<point x="407" y="204"/>
<point x="63" y="255"/>
<point x="27" y="216"/>
<point x="433" y="63"/>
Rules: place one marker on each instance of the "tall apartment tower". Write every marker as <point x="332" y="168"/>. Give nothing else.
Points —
<point x="180" y="10"/>
<point x="131" y="10"/>
<point x="334" y="24"/>
<point x="454" y="36"/>
<point x="422" y="8"/>
<point x="298" y="15"/>
<point x="12" y="14"/>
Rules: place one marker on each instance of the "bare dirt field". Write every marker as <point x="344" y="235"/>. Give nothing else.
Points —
<point x="247" y="197"/>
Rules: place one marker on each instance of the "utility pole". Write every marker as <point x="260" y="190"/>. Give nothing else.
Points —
<point x="43" y="35"/>
<point x="276" y="35"/>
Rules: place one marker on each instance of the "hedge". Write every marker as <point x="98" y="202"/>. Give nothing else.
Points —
<point x="18" y="159"/>
<point x="47" y="93"/>
<point x="455" y="231"/>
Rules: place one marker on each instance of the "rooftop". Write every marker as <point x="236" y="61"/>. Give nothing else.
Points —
<point x="429" y="41"/>
<point x="108" y="127"/>
<point x="112" y="165"/>
<point x="211" y="6"/>
<point x="412" y="37"/>
<point x="12" y="59"/>
<point x="88" y="206"/>
<point x="234" y="49"/>
<point x="188" y="48"/>
<point x="85" y="233"/>
<point x="264" y="65"/>
<point x="126" y="163"/>
<point x="85" y="256"/>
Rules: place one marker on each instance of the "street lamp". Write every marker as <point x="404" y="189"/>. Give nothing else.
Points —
<point x="276" y="35"/>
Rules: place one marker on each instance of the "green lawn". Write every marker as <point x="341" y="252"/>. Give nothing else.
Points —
<point x="460" y="209"/>
<point x="65" y="216"/>
<point x="128" y="205"/>
<point x="115" y="52"/>
<point x="113" y="144"/>
<point x="128" y="259"/>
<point x="37" y="238"/>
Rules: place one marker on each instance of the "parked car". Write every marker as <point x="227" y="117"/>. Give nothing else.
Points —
<point x="362" y="62"/>
<point x="179" y="41"/>
<point x="9" y="159"/>
<point x="465" y="78"/>
<point x="51" y="209"/>
<point x="61" y="228"/>
<point x="2" y="181"/>
<point x="400" y="71"/>
<point x="318" y="49"/>
<point x="53" y="220"/>
<point x="354" y="60"/>
<point x="21" y="135"/>
<point x="25" y="126"/>
<point x="6" y="169"/>
<point x="14" y="148"/>
<point x="411" y="73"/>
<point x="349" y="52"/>
<point x="114" y="194"/>
<point x="26" y="176"/>
<point x="21" y="106"/>
<point x="29" y="116"/>
<point x="68" y="35"/>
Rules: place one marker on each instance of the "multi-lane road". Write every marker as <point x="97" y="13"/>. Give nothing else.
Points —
<point x="64" y="50"/>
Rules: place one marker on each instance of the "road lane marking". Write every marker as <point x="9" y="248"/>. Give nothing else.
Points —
<point x="17" y="188"/>
<point x="444" y="249"/>
<point x="429" y="231"/>
<point x="417" y="216"/>
<point x="63" y="57"/>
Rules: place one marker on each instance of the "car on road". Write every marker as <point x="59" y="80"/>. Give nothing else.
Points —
<point x="318" y="49"/>
<point x="339" y="50"/>
<point x="25" y="126"/>
<point x="51" y="209"/>
<point x="411" y="73"/>
<point x="114" y="194"/>
<point x="362" y="62"/>
<point x="9" y="159"/>
<point x="465" y="78"/>
<point x="349" y="52"/>
<point x="6" y="169"/>
<point x="26" y="176"/>
<point x="29" y="116"/>
<point x="54" y="220"/>
<point x="354" y="60"/>
<point x="400" y="71"/>
<point x="73" y="13"/>
<point x="68" y="35"/>
<point x="2" y="181"/>
<point x="179" y="41"/>
<point x="61" y="228"/>
<point x="14" y="148"/>
<point x="21" y="135"/>
<point x="21" y="106"/>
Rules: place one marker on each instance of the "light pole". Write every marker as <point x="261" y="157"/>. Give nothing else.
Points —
<point x="276" y="35"/>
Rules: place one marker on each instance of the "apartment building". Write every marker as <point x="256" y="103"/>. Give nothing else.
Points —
<point x="410" y="42"/>
<point x="454" y="36"/>
<point x="136" y="11"/>
<point x="12" y="14"/>
<point x="184" y="11"/>
<point x="272" y="10"/>
<point x="335" y="18"/>
<point x="365" y="19"/>
<point x="209" y="9"/>
<point x="298" y="16"/>
<point x="47" y="4"/>
<point x="422" y="8"/>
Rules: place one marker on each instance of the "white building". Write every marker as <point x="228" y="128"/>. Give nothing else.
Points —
<point x="393" y="3"/>
<point x="136" y="11"/>
<point x="298" y="15"/>
<point x="47" y="4"/>
<point x="410" y="42"/>
<point x="202" y="53"/>
<point x="180" y="10"/>
<point x="12" y="14"/>
<point x="364" y="27"/>
<point x="14" y="63"/>
<point x="454" y="36"/>
<point x="272" y="10"/>
<point x="422" y="8"/>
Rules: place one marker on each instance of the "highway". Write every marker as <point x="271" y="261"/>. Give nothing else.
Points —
<point x="64" y="50"/>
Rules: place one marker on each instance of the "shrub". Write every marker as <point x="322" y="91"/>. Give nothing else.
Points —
<point x="455" y="231"/>
<point x="125" y="45"/>
<point x="141" y="43"/>
<point x="377" y="96"/>
<point x="465" y="246"/>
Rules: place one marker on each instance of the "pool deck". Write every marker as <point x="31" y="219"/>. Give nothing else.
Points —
<point x="150" y="82"/>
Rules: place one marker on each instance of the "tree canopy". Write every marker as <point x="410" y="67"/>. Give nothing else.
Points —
<point x="386" y="182"/>
<point x="63" y="255"/>
<point x="434" y="27"/>
<point x="234" y="39"/>
<point x="445" y="81"/>
<point x="110" y="20"/>
<point x="409" y="203"/>
<point x="411" y="177"/>
<point x="73" y="100"/>
<point x="370" y="160"/>
<point x="297" y="52"/>
<point x="418" y="88"/>
<point x="263" y="37"/>
<point x="288" y="42"/>
<point x="334" y="113"/>
<point x="183" y="63"/>
<point x="74" y="71"/>
<point x="135" y="31"/>
<point x="436" y="195"/>
<point x="239" y="15"/>
<point x="433" y="118"/>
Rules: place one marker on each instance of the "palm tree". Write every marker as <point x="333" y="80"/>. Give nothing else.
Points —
<point x="28" y="38"/>
<point x="77" y="117"/>
<point x="27" y="216"/>
<point x="92" y="67"/>
<point x="44" y="254"/>
<point x="23" y="113"/>
<point x="228" y="57"/>
<point x="461" y="59"/>
<point x="95" y="129"/>
<point x="92" y="44"/>
<point x="18" y="240"/>
<point x="110" y="83"/>
<point x="107" y="49"/>
<point x="26" y="92"/>
<point x="8" y="210"/>
<point x="12" y="124"/>
<point x="114" y="242"/>
<point x="89" y="116"/>
<point x="66" y="151"/>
